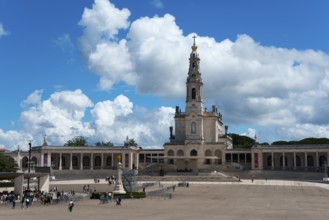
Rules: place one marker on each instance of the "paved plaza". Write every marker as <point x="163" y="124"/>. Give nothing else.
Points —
<point x="199" y="201"/>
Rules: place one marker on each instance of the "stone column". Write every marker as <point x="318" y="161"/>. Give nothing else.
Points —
<point x="245" y="158"/>
<point x="41" y="162"/>
<point x="60" y="161"/>
<point x="317" y="159"/>
<point x="49" y="160"/>
<point x="71" y="167"/>
<point x="112" y="160"/>
<point x="130" y="162"/>
<point x="306" y="165"/>
<point x="102" y="161"/>
<point x="238" y="158"/>
<point x="272" y="155"/>
<point x="283" y="161"/>
<point x="81" y="160"/>
<point x="123" y="160"/>
<point x="92" y="161"/>
<point x="137" y="160"/>
<point x="295" y="164"/>
<point x="231" y="158"/>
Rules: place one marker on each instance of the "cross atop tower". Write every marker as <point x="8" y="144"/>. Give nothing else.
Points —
<point x="194" y="39"/>
<point x="194" y="47"/>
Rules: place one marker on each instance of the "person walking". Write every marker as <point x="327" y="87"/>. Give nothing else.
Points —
<point x="14" y="201"/>
<point x="71" y="205"/>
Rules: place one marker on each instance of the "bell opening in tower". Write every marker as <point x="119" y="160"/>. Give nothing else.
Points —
<point x="193" y="93"/>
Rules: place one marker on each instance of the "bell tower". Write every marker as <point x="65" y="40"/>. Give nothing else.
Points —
<point x="194" y="100"/>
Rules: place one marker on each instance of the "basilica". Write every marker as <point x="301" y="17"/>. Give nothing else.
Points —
<point x="197" y="143"/>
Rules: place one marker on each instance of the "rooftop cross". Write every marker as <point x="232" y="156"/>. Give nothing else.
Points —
<point x="194" y="47"/>
<point x="194" y="39"/>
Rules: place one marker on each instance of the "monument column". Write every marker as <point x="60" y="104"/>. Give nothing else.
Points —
<point x="272" y="156"/>
<point x="306" y="165"/>
<point x="294" y="160"/>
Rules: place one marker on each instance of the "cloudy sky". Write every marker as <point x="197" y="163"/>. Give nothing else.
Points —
<point x="106" y="70"/>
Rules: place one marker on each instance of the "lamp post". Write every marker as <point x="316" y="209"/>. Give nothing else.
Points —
<point x="29" y="164"/>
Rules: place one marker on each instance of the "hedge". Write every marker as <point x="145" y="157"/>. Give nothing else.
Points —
<point x="132" y="195"/>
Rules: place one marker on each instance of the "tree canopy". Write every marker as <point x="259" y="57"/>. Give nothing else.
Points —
<point x="242" y="141"/>
<point x="310" y="140"/>
<point x="107" y="144"/>
<point x="130" y="142"/>
<point x="77" y="142"/>
<point x="247" y="142"/>
<point x="7" y="164"/>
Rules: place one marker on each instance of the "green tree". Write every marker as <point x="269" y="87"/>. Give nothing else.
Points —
<point x="77" y="141"/>
<point x="7" y="163"/>
<point x="107" y="144"/>
<point x="130" y="142"/>
<point x="242" y="141"/>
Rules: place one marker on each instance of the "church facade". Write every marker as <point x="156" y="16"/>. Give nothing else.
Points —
<point x="198" y="142"/>
<point x="198" y="138"/>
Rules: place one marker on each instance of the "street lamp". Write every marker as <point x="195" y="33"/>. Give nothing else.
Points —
<point x="29" y="164"/>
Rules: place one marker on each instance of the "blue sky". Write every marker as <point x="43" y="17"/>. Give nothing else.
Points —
<point x="110" y="69"/>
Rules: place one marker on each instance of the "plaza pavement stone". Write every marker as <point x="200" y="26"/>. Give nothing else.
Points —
<point x="201" y="200"/>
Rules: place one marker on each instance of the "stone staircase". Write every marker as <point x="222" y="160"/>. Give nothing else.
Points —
<point x="83" y="174"/>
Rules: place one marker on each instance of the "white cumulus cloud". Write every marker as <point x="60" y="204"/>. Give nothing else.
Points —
<point x="3" y="32"/>
<point x="270" y="87"/>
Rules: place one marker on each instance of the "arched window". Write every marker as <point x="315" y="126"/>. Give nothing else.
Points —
<point x="25" y="162"/>
<point x="322" y="160"/>
<point x="208" y="153"/>
<point x="193" y="93"/>
<point x="109" y="161"/>
<point x="310" y="161"/>
<point x="63" y="161"/>
<point x="86" y="161"/>
<point x="194" y="153"/>
<point x="269" y="161"/>
<point x="193" y="127"/>
<point x="171" y="153"/>
<point x="98" y="161"/>
<point x="74" y="161"/>
<point x="34" y="161"/>
<point x="218" y="154"/>
<point x="180" y="153"/>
